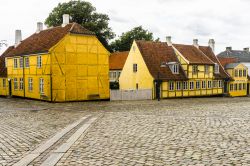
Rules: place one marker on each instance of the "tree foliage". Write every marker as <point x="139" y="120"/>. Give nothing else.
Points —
<point x="124" y="42"/>
<point x="85" y="14"/>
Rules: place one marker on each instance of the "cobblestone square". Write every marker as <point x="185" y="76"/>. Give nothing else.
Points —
<point x="193" y="131"/>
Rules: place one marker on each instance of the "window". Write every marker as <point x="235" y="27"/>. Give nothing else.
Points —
<point x="41" y="85"/>
<point x="21" y="62"/>
<point x="119" y="74"/>
<point x="215" y="84"/>
<point x="39" y="61"/>
<point x="4" y="83"/>
<point x="15" y="63"/>
<point x="244" y="86"/>
<point x="209" y="84"/>
<point x="235" y="87"/>
<point x="231" y="87"/>
<point x="220" y="84"/>
<point x="27" y="62"/>
<point x="216" y="68"/>
<point x="203" y="84"/>
<point x="240" y="86"/>
<point x="244" y="73"/>
<point x="198" y="86"/>
<point x="134" y="68"/>
<point x="175" y="69"/>
<point x="15" y="84"/>
<point x="191" y="85"/>
<point x="185" y="85"/>
<point x="240" y="73"/>
<point x="178" y="85"/>
<point x="206" y="69"/>
<point x="21" y="83"/>
<point x="30" y="84"/>
<point x="134" y="48"/>
<point x="236" y="73"/>
<point x="195" y="69"/>
<point x="171" y="86"/>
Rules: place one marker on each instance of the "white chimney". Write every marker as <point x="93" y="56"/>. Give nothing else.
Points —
<point x="18" y="37"/>
<point x="195" y="43"/>
<point x="211" y="44"/>
<point x="39" y="27"/>
<point x="65" y="20"/>
<point x="168" y="39"/>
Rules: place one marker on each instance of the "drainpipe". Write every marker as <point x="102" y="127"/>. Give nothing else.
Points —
<point x="24" y="94"/>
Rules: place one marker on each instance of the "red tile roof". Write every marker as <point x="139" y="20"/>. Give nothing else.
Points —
<point x="41" y="42"/>
<point x="193" y="54"/>
<point x="154" y="53"/>
<point x="3" y="69"/>
<point x="210" y="54"/>
<point x="225" y="61"/>
<point x="117" y="60"/>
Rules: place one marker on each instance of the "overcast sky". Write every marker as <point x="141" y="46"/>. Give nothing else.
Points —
<point x="227" y="21"/>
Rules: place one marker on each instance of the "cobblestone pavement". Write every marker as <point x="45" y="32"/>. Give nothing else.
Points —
<point x="197" y="131"/>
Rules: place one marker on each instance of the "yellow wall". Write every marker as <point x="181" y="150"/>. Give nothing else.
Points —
<point x="236" y="88"/>
<point x="76" y="69"/>
<point x="4" y="89"/>
<point x="142" y="77"/>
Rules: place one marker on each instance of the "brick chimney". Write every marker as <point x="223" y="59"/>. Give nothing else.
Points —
<point x="246" y="49"/>
<point x="228" y="48"/>
<point x="39" y="27"/>
<point x="168" y="39"/>
<point x="211" y="44"/>
<point x="195" y="43"/>
<point x="65" y="20"/>
<point x="18" y="37"/>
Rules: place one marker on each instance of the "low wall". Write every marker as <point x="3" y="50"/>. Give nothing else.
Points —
<point x="145" y="94"/>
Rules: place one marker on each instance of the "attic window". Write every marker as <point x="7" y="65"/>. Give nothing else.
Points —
<point x="174" y="68"/>
<point x="216" y="68"/>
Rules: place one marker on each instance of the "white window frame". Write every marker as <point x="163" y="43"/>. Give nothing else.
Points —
<point x="203" y="84"/>
<point x="15" y="63"/>
<point x="195" y="69"/>
<point x="21" y="62"/>
<point x="191" y="85"/>
<point x="171" y="86"/>
<point x="178" y="85"/>
<point x="39" y="61"/>
<point x="216" y="68"/>
<point x="41" y="86"/>
<point x="30" y="84"/>
<point x="27" y="62"/>
<point x="219" y="84"/>
<point x="15" y="81"/>
<point x="175" y="68"/>
<point x="209" y="84"/>
<point x="198" y="85"/>
<point x="21" y="83"/>
<point x="215" y="84"/>
<point x="185" y="85"/>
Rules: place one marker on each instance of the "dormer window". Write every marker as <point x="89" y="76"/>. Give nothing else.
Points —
<point x="216" y="68"/>
<point x="174" y="68"/>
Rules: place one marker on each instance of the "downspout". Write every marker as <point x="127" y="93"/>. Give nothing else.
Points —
<point x="51" y="92"/>
<point x="24" y="94"/>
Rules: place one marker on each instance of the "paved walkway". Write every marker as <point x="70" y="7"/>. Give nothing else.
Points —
<point x="206" y="131"/>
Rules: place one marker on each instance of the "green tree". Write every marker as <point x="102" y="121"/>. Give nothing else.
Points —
<point x="124" y="42"/>
<point x="85" y="14"/>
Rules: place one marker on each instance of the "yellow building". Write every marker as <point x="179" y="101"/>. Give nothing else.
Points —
<point x="173" y="70"/>
<point x="4" y="86"/>
<point x="64" y="63"/>
<point x="239" y="84"/>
